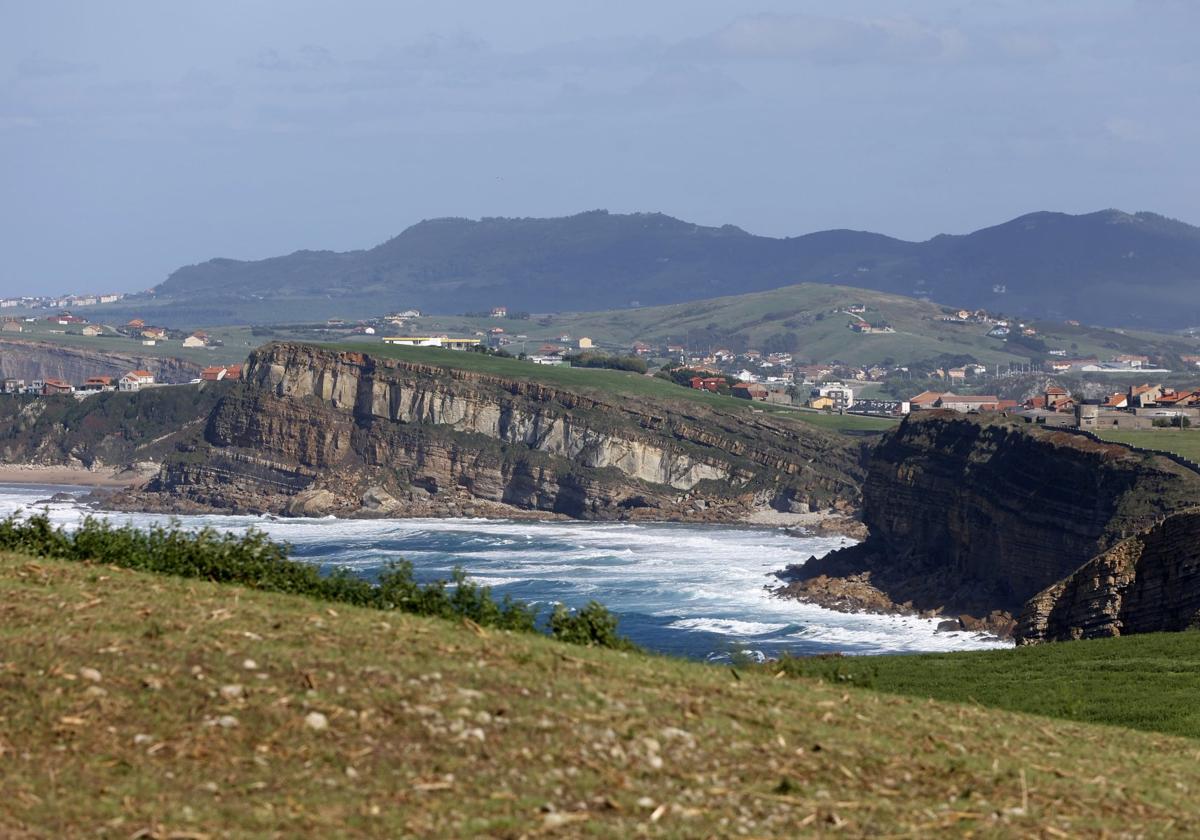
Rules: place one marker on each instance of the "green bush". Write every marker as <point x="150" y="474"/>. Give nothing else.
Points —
<point x="635" y="364"/>
<point x="252" y="560"/>
<point x="593" y="625"/>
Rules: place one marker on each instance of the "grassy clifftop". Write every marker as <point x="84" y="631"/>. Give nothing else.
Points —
<point x="604" y="383"/>
<point x="136" y="705"/>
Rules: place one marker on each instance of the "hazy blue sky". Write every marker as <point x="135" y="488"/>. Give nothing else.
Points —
<point x="138" y="136"/>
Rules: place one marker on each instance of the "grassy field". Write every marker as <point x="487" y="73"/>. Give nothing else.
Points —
<point x="603" y="382"/>
<point x="1147" y="682"/>
<point x="238" y="342"/>
<point x="141" y="706"/>
<point x="1185" y="442"/>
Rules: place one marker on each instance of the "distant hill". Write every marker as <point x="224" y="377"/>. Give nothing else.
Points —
<point x="1108" y="268"/>
<point x="812" y="321"/>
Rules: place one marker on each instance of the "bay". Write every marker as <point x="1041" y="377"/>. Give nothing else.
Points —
<point x="688" y="590"/>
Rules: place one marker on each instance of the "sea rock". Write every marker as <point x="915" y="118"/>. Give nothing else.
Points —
<point x="315" y="502"/>
<point x="376" y="500"/>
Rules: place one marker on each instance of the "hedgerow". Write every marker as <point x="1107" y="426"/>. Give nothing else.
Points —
<point x="253" y="560"/>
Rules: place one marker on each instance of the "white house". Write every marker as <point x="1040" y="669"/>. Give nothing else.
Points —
<point x="135" y="380"/>
<point x="841" y="395"/>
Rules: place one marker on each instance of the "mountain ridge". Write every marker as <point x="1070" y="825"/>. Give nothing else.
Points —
<point x="1108" y="267"/>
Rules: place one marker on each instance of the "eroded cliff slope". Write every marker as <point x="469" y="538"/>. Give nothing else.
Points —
<point x="314" y="430"/>
<point x="1145" y="584"/>
<point x="31" y="360"/>
<point x="976" y="514"/>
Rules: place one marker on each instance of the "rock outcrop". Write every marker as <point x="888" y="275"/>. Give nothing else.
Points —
<point x="317" y="431"/>
<point x="110" y="428"/>
<point x="31" y="360"/>
<point x="976" y="514"/>
<point x="1145" y="584"/>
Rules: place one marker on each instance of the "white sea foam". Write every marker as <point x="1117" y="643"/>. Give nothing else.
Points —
<point x="672" y="584"/>
<point x="726" y="626"/>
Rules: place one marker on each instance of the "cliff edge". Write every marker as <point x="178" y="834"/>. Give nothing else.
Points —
<point x="1145" y="584"/>
<point x="315" y="430"/>
<point x="979" y="514"/>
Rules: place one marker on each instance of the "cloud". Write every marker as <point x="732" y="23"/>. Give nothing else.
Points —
<point x="687" y="84"/>
<point x="828" y="40"/>
<point x="45" y="67"/>
<point x="1129" y="130"/>
<point x="307" y="57"/>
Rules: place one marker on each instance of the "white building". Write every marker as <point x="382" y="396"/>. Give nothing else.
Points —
<point x="136" y="380"/>
<point x="842" y="395"/>
<point x="431" y="341"/>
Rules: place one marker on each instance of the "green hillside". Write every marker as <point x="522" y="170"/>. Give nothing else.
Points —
<point x="810" y="321"/>
<point x="143" y="706"/>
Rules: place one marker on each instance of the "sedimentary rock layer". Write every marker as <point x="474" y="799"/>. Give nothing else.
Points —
<point x="315" y="430"/>
<point x="1145" y="584"/>
<point x="974" y="514"/>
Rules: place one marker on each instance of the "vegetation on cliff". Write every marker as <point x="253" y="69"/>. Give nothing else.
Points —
<point x="114" y="427"/>
<point x="145" y="705"/>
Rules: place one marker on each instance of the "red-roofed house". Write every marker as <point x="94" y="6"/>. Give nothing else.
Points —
<point x="926" y="399"/>
<point x="97" y="383"/>
<point x="135" y="380"/>
<point x="750" y="391"/>
<point x="56" y="386"/>
<point x="965" y="402"/>
<point x="219" y="373"/>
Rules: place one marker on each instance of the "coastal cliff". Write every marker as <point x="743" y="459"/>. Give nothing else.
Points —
<point x="1145" y="584"/>
<point x="977" y="515"/>
<point x="314" y="430"/>
<point x="109" y="429"/>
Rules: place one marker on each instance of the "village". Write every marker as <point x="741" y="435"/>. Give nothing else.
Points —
<point x="778" y="378"/>
<point x="134" y="380"/>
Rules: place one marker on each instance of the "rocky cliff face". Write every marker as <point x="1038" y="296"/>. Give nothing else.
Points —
<point x="314" y="430"/>
<point x="111" y="428"/>
<point x="1145" y="584"/>
<point x="977" y="515"/>
<point x="30" y="360"/>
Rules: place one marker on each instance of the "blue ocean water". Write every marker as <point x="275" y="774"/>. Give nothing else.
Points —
<point x="696" y="591"/>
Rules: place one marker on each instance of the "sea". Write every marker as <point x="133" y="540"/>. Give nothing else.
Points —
<point x="699" y="591"/>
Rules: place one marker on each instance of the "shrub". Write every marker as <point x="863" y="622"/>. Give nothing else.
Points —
<point x="593" y="625"/>
<point x="252" y="560"/>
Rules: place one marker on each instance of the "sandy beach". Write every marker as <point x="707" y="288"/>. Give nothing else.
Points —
<point x="80" y="476"/>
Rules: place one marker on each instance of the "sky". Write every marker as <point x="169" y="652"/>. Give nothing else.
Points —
<point x="137" y="136"/>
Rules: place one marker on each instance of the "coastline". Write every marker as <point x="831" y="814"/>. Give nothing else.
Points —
<point x="79" y="476"/>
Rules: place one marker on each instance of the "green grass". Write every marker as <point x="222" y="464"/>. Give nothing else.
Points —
<point x="603" y="383"/>
<point x="133" y="705"/>
<point x="1148" y="682"/>
<point x="809" y="311"/>
<point x="237" y="343"/>
<point x="1184" y="442"/>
